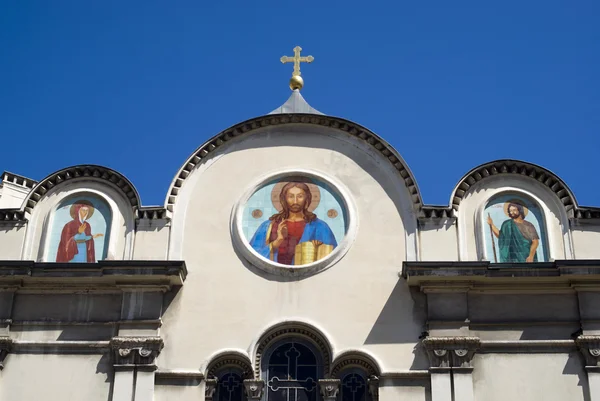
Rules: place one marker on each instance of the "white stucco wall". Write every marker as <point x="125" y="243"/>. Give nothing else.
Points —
<point x="404" y="390"/>
<point x="55" y="378"/>
<point x="11" y="241"/>
<point x="586" y="238"/>
<point x="151" y="240"/>
<point x="177" y="391"/>
<point x="532" y="377"/>
<point x="358" y="303"/>
<point x="438" y="241"/>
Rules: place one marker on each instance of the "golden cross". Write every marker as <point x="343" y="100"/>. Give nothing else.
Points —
<point x="297" y="60"/>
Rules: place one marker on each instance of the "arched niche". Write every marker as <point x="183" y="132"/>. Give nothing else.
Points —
<point x="371" y="179"/>
<point x="474" y="229"/>
<point x="292" y="330"/>
<point x="50" y="210"/>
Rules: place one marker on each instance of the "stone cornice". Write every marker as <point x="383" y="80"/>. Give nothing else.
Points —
<point x="89" y="171"/>
<point x="102" y="275"/>
<point x="135" y="351"/>
<point x="451" y="352"/>
<point x="254" y="389"/>
<point x="246" y="128"/>
<point x="152" y="213"/>
<point x="431" y="212"/>
<point x="12" y="216"/>
<point x="184" y="375"/>
<point x="19" y="180"/>
<point x="590" y="349"/>
<point x="514" y="167"/>
<point x="560" y="275"/>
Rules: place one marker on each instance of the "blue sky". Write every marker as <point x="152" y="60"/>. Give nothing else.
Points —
<point x="137" y="86"/>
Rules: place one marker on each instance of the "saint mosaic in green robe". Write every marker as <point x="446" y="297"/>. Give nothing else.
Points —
<point x="518" y="239"/>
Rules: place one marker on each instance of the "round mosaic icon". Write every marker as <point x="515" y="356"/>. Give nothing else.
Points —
<point x="294" y="220"/>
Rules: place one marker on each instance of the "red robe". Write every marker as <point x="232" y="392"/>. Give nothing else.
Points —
<point x="67" y="248"/>
<point x="287" y="249"/>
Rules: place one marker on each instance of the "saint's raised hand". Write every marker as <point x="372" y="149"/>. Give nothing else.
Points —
<point x="282" y="230"/>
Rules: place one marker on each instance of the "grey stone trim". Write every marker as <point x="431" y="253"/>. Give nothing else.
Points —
<point x="373" y="383"/>
<point x="408" y="375"/>
<point x="254" y="389"/>
<point x="430" y="212"/>
<point x="528" y="346"/>
<point x="210" y="386"/>
<point x="587" y="213"/>
<point x="132" y="272"/>
<point x="192" y="377"/>
<point x="508" y="166"/>
<point x="6" y="344"/>
<point x="351" y="359"/>
<point x="291" y="330"/>
<point x="152" y="213"/>
<point x="59" y="347"/>
<point x="451" y="352"/>
<point x="83" y="171"/>
<point x="12" y="216"/>
<point x="17" y="179"/>
<point x="230" y="359"/>
<point x="133" y="322"/>
<point x="559" y="271"/>
<point x="247" y="127"/>
<point x="178" y="374"/>
<point x="590" y="349"/>
<point x="329" y="388"/>
<point x="135" y="351"/>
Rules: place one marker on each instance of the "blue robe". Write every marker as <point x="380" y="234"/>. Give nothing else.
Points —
<point x="315" y="230"/>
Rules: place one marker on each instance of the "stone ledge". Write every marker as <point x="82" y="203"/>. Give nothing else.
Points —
<point x="466" y="274"/>
<point x="105" y="274"/>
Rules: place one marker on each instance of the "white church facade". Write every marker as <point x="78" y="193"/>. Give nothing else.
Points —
<point x="294" y="260"/>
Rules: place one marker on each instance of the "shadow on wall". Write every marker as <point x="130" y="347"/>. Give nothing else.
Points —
<point x="105" y="367"/>
<point x="402" y="320"/>
<point x="574" y="366"/>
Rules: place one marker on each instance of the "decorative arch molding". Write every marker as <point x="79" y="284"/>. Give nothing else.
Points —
<point x="91" y="171"/>
<point x="355" y="359"/>
<point x="122" y="227"/>
<point x="293" y="330"/>
<point x="515" y="167"/>
<point x="228" y="359"/>
<point x="247" y="127"/>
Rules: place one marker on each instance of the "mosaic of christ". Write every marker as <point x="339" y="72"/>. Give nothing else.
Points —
<point x="294" y="221"/>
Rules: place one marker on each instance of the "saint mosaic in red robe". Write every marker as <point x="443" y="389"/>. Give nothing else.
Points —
<point x="76" y="240"/>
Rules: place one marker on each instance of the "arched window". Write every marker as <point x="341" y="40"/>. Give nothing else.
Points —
<point x="514" y="230"/>
<point x="354" y="386"/>
<point x="293" y="369"/>
<point x="230" y="385"/>
<point x="80" y="230"/>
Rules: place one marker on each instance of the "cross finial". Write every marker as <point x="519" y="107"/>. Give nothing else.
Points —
<point x="296" y="82"/>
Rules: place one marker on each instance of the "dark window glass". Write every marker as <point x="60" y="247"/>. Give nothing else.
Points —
<point x="292" y="373"/>
<point x="230" y="386"/>
<point x="354" y="387"/>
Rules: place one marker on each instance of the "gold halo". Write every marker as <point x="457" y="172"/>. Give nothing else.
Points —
<point x="82" y="202"/>
<point x="518" y="202"/>
<point x="314" y="191"/>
